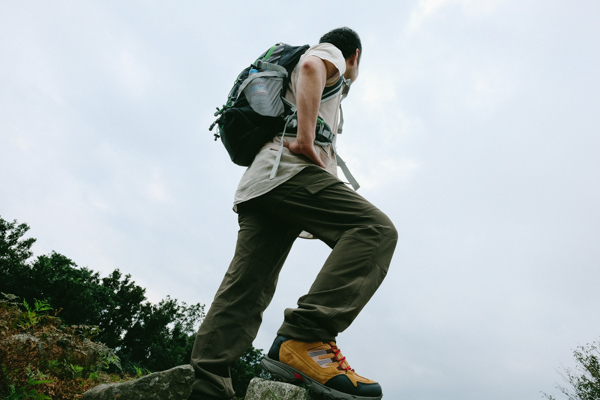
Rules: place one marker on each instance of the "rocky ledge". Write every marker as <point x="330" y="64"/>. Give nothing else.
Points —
<point x="172" y="384"/>
<point x="176" y="384"/>
<point x="261" y="389"/>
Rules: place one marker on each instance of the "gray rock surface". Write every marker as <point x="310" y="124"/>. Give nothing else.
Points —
<point x="261" y="389"/>
<point x="23" y="337"/>
<point x="172" y="384"/>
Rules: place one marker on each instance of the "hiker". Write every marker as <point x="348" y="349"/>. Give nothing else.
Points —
<point x="278" y="199"/>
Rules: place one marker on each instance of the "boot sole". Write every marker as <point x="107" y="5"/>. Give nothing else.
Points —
<point x="289" y="374"/>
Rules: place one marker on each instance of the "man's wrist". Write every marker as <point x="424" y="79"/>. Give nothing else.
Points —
<point x="305" y="138"/>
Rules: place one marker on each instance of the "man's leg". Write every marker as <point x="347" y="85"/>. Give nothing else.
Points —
<point x="235" y="315"/>
<point x="363" y="240"/>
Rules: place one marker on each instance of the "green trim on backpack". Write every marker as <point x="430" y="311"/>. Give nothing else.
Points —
<point x="271" y="50"/>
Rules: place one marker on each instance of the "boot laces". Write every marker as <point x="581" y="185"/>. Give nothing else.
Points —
<point x="336" y="357"/>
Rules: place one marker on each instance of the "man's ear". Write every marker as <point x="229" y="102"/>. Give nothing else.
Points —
<point x="354" y="57"/>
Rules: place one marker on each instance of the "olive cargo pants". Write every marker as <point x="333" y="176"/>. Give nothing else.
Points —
<point x="362" y="239"/>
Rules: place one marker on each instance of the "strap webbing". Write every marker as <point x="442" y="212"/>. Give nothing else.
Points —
<point x="280" y="152"/>
<point x="345" y="169"/>
<point x="260" y="64"/>
<point x="341" y="123"/>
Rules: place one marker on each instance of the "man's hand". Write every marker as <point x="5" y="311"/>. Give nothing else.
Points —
<point x="306" y="149"/>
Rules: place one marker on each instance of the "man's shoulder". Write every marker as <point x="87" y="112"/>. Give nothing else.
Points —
<point x="327" y="51"/>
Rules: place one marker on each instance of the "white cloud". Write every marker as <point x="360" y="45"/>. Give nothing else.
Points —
<point x="131" y="72"/>
<point x="488" y="88"/>
<point x="427" y="8"/>
<point x="377" y="88"/>
<point x="383" y="173"/>
<point x="20" y="142"/>
<point x="156" y="188"/>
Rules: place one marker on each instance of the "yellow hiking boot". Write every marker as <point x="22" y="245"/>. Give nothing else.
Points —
<point x="321" y="366"/>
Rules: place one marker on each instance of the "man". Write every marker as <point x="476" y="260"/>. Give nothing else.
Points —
<point x="304" y="195"/>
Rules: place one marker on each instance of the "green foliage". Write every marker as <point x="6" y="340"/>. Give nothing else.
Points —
<point x="28" y="391"/>
<point x="14" y="251"/>
<point x="33" y="315"/>
<point x="150" y="336"/>
<point x="139" y="372"/>
<point x="162" y="336"/>
<point x="75" y="370"/>
<point x="584" y="380"/>
<point x="112" y="310"/>
<point x="47" y="359"/>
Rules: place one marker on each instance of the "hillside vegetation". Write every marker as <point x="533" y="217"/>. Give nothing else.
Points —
<point x="106" y="318"/>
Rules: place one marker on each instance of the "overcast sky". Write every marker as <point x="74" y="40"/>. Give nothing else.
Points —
<point x="474" y="124"/>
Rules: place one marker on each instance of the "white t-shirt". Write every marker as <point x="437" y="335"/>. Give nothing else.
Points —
<point x="255" y="181"/>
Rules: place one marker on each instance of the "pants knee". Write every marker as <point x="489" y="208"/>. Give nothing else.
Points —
<point x="387" y="226"/>
<point x="388" y="240"/>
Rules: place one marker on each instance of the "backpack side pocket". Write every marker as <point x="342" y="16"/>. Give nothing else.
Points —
<point x="263" y="92"/>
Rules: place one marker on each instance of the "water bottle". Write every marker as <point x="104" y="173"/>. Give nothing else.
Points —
<point x="257" y="94"/>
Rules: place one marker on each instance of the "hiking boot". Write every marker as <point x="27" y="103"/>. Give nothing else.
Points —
<point x="321" y="366"/>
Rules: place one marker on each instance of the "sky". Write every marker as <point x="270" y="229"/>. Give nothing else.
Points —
<point x="474" y="125"/>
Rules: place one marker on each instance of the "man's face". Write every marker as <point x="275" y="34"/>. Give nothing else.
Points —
<point x="352" y="64"/>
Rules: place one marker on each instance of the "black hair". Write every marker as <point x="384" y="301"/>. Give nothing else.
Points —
<point x="344" y="39"/>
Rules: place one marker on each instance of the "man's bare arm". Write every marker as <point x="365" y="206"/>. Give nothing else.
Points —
<point x="313" y="74"/>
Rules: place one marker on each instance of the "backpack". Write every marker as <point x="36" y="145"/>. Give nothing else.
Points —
<point x="244" y="125"/>
<point x="256" y="109"/>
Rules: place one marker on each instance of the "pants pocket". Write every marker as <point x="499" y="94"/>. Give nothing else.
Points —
<point x="321" y="183"/>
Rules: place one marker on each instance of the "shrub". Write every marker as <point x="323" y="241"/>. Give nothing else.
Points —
<point x="112" y="311"/>
<point x="42" y="359"/>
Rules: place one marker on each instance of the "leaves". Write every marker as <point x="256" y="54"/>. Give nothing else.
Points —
<point x="583" y="380"/>
<point x="150" y="336"/>
<point x="112" y="310"/>
<point x="32" y="316"/>
<point x="14" y="249"/>
<point x="46" y="359"/>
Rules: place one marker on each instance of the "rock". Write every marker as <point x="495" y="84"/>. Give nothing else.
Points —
<point x="261" y="389"/>
<point x="23" y="338"/>
<point x="172" y="384"/>
<point x="67" y="347"/>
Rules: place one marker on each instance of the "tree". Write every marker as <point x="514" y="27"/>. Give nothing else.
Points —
<point x="150" y="336"/>
<point x="584" y="380"/>
<point x="162" y="335"/>
<point x="246" y="368"/>
<point x="144" y="335"/>
<point x="14" y="250"/>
